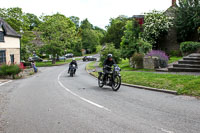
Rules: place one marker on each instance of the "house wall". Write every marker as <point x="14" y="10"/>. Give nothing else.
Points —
<point x="10" y="42"/>
<point x="12" y="46"/>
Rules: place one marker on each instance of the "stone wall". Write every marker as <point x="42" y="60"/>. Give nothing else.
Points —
<point x="15" y="52"/>
<point x="150" y="62"/>
<point x="169" y="42"/>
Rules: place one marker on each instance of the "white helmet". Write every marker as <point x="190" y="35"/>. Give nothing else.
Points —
<point x="73" y="59"/>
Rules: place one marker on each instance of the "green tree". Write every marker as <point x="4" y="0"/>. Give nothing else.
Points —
<point x="14" y="17"/>
<point x="187" y="20"/>
<point x="131" y="42"/>
<point x="32" y="21"/>
<point x="27" y="46"/>
<point x="110" y="49"/>
<point x="85" y="24"/>
<point x="76" y="20"/>
<point x="156" y="25"/>
<point x="58" y="32"/>
<point x="101" y="34"/>
<point x="90" y="38"/>
<point x="115" y="31"/>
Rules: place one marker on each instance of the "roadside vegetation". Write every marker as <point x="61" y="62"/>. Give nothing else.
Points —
<point x="10" y="70"/>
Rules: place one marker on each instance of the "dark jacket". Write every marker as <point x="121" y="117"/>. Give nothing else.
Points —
<point x="73" y="62"/>
<point x="109" y="63"/>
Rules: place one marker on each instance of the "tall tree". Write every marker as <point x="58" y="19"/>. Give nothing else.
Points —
<point x="14" y="17"/>
<point x="85" y="24"/>
<point x="76" y="20"/>
<point x="58" y="32"/>
<point x="90" y="38"/>
<point x="188" y="20"/>
<point x="115" y="31"/>
<point x="32" y="21"/>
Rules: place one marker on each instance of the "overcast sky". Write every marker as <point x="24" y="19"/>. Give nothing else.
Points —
<point x="97" y="11"/>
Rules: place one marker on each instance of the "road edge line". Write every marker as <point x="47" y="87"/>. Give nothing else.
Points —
<point x="5" y="82"/>
<point x="82" y="98"/>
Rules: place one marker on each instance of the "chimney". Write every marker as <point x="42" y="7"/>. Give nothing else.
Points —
<point x="173" y="2"/>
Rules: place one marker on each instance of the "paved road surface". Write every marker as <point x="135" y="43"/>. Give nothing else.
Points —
<point x="53" y="102"/>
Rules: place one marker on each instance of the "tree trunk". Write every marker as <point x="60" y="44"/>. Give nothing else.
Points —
<point x="53" y="60"/>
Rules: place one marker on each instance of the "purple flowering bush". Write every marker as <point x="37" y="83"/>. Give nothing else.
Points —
<point x="163" y="58"/>
<point x="158" y="53"/>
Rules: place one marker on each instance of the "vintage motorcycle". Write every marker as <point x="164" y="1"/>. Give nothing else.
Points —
<point x="113" y="78"/>
<point x="72" y="70"/>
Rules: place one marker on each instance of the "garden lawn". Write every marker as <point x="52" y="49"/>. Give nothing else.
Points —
<point x="174" y="59"/>
<point x="183" y="84"/>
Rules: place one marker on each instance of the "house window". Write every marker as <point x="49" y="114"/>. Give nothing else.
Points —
<point x="2" y="56"/>
<point x="1" y="36"/>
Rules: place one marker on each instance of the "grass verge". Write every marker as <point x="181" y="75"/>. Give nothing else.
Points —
<point x="49" y="63"/>
<point x="183" y="84"/>
<point x="174" y="59"/>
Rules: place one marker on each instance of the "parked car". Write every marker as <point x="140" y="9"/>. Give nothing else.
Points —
<point x="62" y="58"/>
<point x="35" y="58"/>
<point x="69" y="55"/>
<point x="89" y="58"/>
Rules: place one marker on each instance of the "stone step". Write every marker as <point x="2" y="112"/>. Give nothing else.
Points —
<point x="189" y="62"/>
<point x="186" y="65"/>
<point x="177" y="69"/>
<point x="191" y="58"/>
<point x="195" y="55"/>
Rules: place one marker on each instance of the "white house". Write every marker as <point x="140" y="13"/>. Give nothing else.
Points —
<point x="9" y="44"/>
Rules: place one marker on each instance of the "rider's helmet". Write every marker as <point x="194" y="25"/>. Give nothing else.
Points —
<point x="73" y="59"/>
<point x="109" y="56"/>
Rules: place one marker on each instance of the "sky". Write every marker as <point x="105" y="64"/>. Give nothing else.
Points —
<point x="98" y="12"/>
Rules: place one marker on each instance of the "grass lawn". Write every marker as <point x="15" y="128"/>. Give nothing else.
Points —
<point x="124" y="65"/>
<point x="49" y="63"/>
<point x="183" y="84"/>
<point x="174" y="59"/>
<point x="90" y="66"/>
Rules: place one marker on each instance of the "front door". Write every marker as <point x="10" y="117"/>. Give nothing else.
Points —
<point x="12" y="58"/>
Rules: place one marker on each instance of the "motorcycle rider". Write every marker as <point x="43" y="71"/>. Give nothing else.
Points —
<point x="73" y="62"/>
<point x="107" y="66"/>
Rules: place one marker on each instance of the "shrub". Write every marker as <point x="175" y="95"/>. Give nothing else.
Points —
<point x="189" y="47"/>
<point x="156" y="25"/>
<point x="27" y="64"/>
<point x="110" y="49"/>
<point x="163" y="58"/>
<point x="144" y="47"/>
<point x="176" y="53"/>
<point x="137" y="60"/>
<point x="9" y="70"/>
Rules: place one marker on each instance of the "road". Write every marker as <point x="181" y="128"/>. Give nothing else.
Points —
<point x="53" y="102"/>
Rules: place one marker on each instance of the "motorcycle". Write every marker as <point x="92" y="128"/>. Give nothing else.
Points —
<point x="72" y="70"/>
<point x="113" y="78"/>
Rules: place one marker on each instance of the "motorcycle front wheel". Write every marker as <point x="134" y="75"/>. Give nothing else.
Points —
<point x="100" y="81"/>
<point x="116" y="83"/>
<point x="71" y="74"/>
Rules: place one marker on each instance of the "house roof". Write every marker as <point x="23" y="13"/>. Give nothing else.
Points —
<point x="9" y="31"/>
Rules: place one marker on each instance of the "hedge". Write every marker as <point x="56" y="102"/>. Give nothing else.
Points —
<point x="9" y="70"/>
<point x="189" y="47"/>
